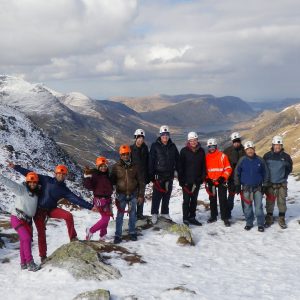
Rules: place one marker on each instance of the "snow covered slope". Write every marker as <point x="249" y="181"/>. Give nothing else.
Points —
<point x="82" y="126"/>
<point x="226" y="263"/>
<point x="22" y="142"/>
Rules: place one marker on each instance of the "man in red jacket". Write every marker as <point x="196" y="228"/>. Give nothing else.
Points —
<point x="218" y="170"/>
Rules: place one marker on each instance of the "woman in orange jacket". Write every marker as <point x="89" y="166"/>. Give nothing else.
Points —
<point x="218" y="170"/>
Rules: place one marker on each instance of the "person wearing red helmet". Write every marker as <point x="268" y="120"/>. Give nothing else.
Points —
<point x="52" y="190"/>
<point x="130" y="189"/>
<point x="97" y="180"/>
<point x="22" y="213"/>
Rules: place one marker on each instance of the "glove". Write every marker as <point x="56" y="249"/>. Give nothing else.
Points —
<point x="221" y="180"/>
<point x="181" y="183"/>
<point x="264" y="189"/>
<point x="237" y="189"/>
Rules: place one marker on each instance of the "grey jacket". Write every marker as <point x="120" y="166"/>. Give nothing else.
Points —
<point x="25" y="201"/>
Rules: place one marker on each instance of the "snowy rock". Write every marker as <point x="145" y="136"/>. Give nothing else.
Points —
<point x="81" y="259"/>
<point x="94" y="295"/>
<point x="183" y="232"/>
<point x="1" y="243"/>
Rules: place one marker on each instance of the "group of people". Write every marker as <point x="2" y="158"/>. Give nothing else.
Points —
<point x="237" y="170"/>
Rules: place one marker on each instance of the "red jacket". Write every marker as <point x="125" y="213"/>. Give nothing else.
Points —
<point x="217" y="164"/>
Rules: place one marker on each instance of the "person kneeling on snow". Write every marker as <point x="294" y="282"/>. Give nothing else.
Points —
<point x="98" y="181"/>
<point x="21" y="215"/>
<point x="252" y="173"/>
<point x="129" y="184"/>
<point x="52" y="190"/>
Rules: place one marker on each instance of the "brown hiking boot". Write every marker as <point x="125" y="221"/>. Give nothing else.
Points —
<point x="281" y="222"/>
<point x="269" y="221"/>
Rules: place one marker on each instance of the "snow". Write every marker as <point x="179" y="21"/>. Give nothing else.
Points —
<point x="225" y="263"/>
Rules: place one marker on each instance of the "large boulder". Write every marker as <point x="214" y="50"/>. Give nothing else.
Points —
<point x="83" y="260"/>
<point x="94" y="295"/>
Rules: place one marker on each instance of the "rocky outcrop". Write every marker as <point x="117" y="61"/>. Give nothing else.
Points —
<point x="83" y="260"/>
<point x="94" y="295"/>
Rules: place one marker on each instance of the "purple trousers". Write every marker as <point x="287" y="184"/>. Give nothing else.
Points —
<point x="25" y="236"/>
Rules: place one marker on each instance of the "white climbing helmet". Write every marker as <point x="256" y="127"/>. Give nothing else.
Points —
<point x="248" y="144"/>
<point x="139" y="132"/>
<point x="235" y="135"/>
<point x="164" y="129"/>
<point x="212" y="142"/>
<point x="192" y="135"/>
<point x="277" y="140"/>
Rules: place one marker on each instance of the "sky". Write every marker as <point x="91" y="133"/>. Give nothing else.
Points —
<point x="106" y="48"/>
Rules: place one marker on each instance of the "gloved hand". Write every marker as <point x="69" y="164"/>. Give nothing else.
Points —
<point x="181" y="183"/>
<point x="237" y="189"/>
<point x="264" y="189"/>
<point x="221" y="180"/>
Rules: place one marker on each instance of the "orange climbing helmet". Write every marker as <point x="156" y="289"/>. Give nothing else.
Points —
<point x="32" y="177"/>
<point x="124" y="149"/>
<point x="101" y="160"/>
<point x="61" y="169"/>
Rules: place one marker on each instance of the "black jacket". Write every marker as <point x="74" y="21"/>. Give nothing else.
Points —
<point x="234" y="154"/>
<point x="140" y="157"/>
<point x="163" y="160"/>
<point x="192" y="165"/>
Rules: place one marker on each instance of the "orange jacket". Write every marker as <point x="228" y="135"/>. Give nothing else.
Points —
<point x="217" y="164"/>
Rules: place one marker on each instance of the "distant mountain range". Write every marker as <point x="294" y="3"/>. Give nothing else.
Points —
<point x="274" y="105"/>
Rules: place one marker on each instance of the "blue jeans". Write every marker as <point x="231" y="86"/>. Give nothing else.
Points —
<point x="123" y="200"/>
<point x="259" y="212"/>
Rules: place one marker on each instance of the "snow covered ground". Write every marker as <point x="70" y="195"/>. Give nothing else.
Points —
<point x="225" y="263"/>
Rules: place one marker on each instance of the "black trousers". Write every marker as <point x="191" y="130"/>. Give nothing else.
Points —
<point x="189" y="204"/>
<point x="164" y="198"/>
<point x="221" y="193"/>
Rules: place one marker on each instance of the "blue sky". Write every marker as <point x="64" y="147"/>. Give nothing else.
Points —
<point x="106" y="48"/>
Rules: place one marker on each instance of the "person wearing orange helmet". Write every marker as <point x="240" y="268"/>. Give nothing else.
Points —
<point x="97" y="180"/>
<point x="130" y="189"/>
<point x="52" y="190"/>
<point x="22" y="213"/>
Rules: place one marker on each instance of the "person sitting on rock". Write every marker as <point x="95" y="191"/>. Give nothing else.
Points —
<point x="52" y="190"/>
<point x="130" y="188"/>
<point x="98" y="181"/>
<point x="22" y="213"/>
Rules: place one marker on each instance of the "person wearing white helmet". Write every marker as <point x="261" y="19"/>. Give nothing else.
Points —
<point x="163" y="162"/>
<point x="140" y="157"/>
<point x="250" y="177"/>
<point x="218" y="170"/>
<point x="280" y="165"/>
<point x="191" y="175"/>
<point x="234" y="152"/>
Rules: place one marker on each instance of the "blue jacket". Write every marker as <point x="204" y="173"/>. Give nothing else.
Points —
<point x="52" y="191"/>
<point x="280" y="166"/>
<point x="251" y="171"/>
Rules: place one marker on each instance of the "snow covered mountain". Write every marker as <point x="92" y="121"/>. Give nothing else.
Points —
<point x="22" y="142"/>
<point x="82" y="126"/>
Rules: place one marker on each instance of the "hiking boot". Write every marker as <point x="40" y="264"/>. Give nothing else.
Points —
<point x="33" y="267"/>
<point x="43" y="259"/>
<point x="248" y="227"/>
<point x="166" y="216"/>
<point x="261" y="228"/>
<point x="23" y="266"/>
<point x="194" y="222"/>
<point x="88" y="235"/>
<point x="212" y="220"/>
<point x="281" y="222"/>
<point x="133" y="237"/>
<point x="186" y="222"/>
<point x="226" y="223"/>
<point x="117" y="240"/>
<point x="269" y="221"/>
<point x="102" y="238"/>
<point x="154" y="219"/>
